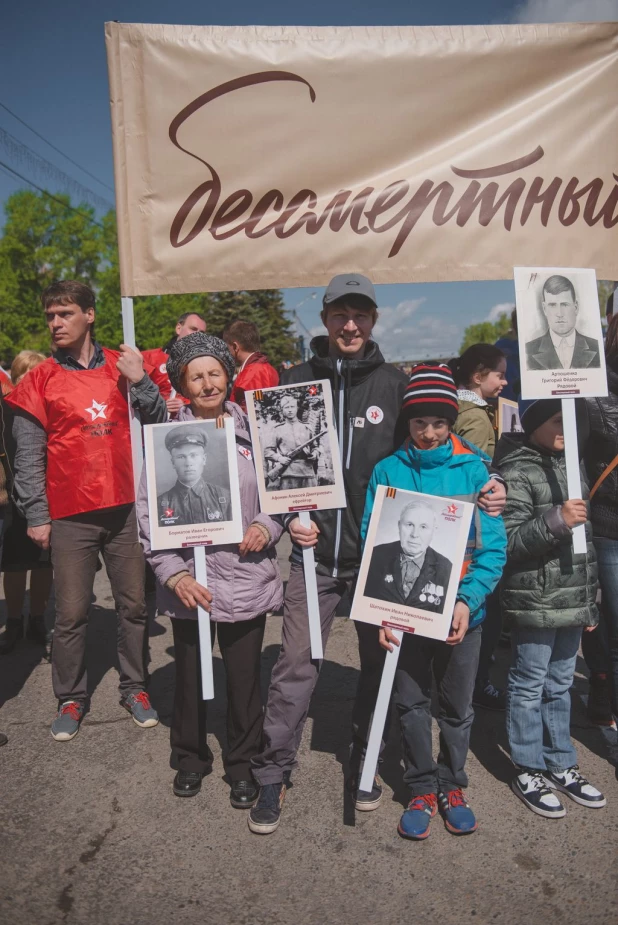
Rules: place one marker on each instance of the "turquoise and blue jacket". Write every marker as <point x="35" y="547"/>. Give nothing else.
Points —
<point x="454" y="470"/>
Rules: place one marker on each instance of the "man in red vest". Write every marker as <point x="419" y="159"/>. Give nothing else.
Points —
<point x="74" y="480"/>
<point x="188" y="323"/>
<point x="243" y="341"/>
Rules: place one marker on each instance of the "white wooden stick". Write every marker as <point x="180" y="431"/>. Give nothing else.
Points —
<point x="311" y="588"/>
<point x="208" y="684"/>
<point x="137" y="453"/>
<point x="571" y="454"/>
<point x="379" y="716"/>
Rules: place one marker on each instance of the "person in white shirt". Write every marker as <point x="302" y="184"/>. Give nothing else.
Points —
<point x="562" y="346"/>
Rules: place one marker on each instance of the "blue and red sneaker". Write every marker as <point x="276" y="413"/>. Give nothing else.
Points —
<point x="415" y="821"/>
<point x="458" y="817"/>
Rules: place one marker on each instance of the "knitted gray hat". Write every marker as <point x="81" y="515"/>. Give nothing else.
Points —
<point x="195" y="345"/>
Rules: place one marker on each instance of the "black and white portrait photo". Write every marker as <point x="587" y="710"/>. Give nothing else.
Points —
<point x="410" y="570"/>
<point x="412" y="560"/>
<point x="192" y="479"/>
<point x="560" y="332"/>
<point x="508" y="417"/>
<point x="298" y="449"/>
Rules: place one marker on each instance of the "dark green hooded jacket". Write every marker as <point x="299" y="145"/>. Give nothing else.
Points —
<point x="545" y="585"/>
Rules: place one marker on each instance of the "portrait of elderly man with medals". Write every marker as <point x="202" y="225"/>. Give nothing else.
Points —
<point x="409" y="571"/>
<point x="192" y="500"/>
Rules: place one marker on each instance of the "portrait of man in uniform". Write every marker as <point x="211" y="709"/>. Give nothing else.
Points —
<point x="193" y="499"/>
<point x="562" y="346"/>
<point x="291" y="450"/>
<point x="409" y="571"/>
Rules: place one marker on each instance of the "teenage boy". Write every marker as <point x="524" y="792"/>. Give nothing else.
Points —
<point x="255" y="372"/>
<point x="367" y="395"/>
<point x="188" y="323"/>
<point x="74" y="479"/>
<point x="548" y="597"/>
<point x="435" y="461"/>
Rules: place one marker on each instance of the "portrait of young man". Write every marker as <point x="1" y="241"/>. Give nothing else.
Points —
<point x="562" y="346"/>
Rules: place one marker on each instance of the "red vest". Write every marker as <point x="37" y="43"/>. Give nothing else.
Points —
<point x="158" y="358"/>
<point x="85" y="416"/>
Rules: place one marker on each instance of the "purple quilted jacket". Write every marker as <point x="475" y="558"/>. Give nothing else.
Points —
<point x="241" y="587"/>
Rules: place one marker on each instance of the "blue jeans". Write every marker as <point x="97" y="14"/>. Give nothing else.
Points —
<point x="538" y="704"/>
<point x="601" y="647"/>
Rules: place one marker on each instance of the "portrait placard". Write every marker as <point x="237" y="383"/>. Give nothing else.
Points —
<point x="193" y="490"/>
<point x="508" y="417"/>
<point x="560" y="336"/>
<point x="412" y="562"/>
<point x="297" y="458"/>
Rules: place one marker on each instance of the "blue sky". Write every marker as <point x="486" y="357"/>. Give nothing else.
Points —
<point x="53" y="74"/>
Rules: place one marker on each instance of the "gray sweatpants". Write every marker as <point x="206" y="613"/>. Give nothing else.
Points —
<point x="295" y="675"/>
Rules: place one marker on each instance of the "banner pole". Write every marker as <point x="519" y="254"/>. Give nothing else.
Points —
<point x="137" y="452"/>
<point x="311" y="588"/>
<point x="571" y="455"/>
<point x="379" y="716"/>
<point x="201" y="576"/>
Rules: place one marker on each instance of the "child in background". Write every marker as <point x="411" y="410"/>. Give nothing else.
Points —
<point x="480" y="376"/>
<point x="548" y="596"/>
<point x="434" y="461"/>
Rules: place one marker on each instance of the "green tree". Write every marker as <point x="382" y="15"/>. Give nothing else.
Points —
<point x="486" y="332"/>
<point x="43" y="240"/>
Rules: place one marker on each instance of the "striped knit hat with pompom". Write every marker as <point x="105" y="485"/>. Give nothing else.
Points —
<point x="431" y="392"/>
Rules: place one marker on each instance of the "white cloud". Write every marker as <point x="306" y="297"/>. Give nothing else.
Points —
<point x="403" y="333"/>
<point x="566" y="11"/>
<point x="503" y="308"/>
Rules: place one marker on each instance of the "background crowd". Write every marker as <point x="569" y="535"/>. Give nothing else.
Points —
<point x="59" y="530"/>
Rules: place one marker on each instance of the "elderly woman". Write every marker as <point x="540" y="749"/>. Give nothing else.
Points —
<point x="243" y="584"/>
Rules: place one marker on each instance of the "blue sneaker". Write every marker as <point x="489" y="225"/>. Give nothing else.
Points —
<point x="265" y="815"/>
<point x="415" y="821"/>
<point x="140" y="708"/>
<point x="68" y="718"/>
<point x="458" y="817"/>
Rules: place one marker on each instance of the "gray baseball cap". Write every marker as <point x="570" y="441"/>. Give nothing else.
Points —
<point x="346" y="284"/>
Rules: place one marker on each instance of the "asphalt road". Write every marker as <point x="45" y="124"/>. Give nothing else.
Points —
<point x="91" y="834"/>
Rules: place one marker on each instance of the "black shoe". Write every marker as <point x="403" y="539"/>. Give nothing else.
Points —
<point x="187" y="783"/>
<point x="599" y="709"/>
<point x="266" y="814"/>
<point x="243" y="794"/>
<point x="3" y="739"/>
<point x="13" y="632"/>
<point x="365" y="800"/>
<point x="489" y="697"/>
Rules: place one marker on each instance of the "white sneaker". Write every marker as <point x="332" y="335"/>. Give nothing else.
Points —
<point x="575" y="786"/>
<point x="533" y="790"/>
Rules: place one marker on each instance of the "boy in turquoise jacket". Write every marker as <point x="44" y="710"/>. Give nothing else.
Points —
<point x="435" y="461"/>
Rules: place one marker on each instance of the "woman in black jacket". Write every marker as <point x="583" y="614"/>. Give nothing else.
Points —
<point x="601" y="648"/>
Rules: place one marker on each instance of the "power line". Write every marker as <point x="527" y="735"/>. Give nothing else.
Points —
<point x="42" y="137"/>
<point x="50" y="196"/>
<point x="41" y="167"/>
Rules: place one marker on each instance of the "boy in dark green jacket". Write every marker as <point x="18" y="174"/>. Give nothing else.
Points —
<point x="548" y="595"/>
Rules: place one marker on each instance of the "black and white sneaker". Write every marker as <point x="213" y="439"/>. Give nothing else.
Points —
<point x="575" y="786"/>
<point x="533" y="790"/>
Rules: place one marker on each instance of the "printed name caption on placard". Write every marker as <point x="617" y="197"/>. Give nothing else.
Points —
<point x="203" y="617"/>
<point x="571" y="455"/>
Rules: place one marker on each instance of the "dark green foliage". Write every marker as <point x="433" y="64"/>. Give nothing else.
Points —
<point x="43" y="240"/>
